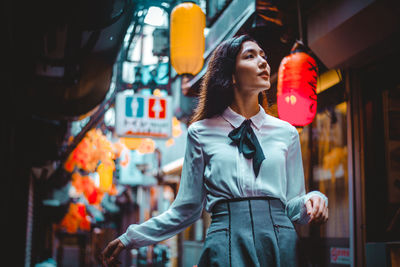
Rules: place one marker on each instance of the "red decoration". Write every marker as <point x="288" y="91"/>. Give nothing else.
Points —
<point x="86" y="186"/>
<point x="297" y="84"/>
<point x="76" y="219"/>
<point x="93" y="148"/>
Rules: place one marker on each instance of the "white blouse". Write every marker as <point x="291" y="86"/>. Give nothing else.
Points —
<point x="214" y="170"/>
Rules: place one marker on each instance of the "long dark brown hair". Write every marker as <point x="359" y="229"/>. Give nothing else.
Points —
<point x="216" y="92"/>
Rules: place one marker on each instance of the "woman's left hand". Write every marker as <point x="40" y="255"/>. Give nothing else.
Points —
<point x="317" y="210"/>
<point x="109" y="256"/>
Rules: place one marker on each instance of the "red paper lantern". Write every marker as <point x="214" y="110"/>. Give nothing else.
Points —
<point x="297" y="84"/>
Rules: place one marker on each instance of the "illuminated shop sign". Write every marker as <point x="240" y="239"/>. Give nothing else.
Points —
<point x="340" y="255"/>
<point x="143" y="116"/>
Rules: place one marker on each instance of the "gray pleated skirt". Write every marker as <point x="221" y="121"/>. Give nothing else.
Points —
<point x="250" y="232"/>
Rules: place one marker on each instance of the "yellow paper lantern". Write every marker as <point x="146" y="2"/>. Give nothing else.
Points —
<point x="105" y="172"/>
<point x="131" y="143"/>
<point x="187" y="38"/>
<point x="176" y="127"/>
<point x="157" y="92"/>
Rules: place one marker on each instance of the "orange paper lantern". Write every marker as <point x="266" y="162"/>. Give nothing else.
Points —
<point x="147" y="146"/>
<point x="297" y="83"/>
<point x="86" y="186"/>
<point x="76" y="218"/>
<point x="93" y="148"/>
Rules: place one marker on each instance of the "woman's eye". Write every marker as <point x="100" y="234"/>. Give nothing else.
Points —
<point x="264" y="57"/>
<point x="249" y="56"/>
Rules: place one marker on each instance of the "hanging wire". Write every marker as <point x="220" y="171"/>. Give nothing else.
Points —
<point x="138" y="22"/>
<point x="300" y="22"/>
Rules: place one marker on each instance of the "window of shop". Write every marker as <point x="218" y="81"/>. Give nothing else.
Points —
<point x="324" y="151"/>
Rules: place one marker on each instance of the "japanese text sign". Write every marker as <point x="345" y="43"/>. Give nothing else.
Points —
<point x="143" y="116"/>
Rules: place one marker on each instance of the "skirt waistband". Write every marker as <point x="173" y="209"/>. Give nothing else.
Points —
<point x="239" y="204"/>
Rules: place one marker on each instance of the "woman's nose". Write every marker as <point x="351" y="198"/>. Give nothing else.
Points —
<point x="263" y="63"/>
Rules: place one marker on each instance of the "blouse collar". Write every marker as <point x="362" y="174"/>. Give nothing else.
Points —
<point x="236" y="119"/>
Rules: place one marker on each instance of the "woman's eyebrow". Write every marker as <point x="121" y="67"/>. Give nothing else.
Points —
<point x="252" y="50"/>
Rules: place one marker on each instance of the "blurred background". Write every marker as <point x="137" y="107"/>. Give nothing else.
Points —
<point x="97" y="95"/>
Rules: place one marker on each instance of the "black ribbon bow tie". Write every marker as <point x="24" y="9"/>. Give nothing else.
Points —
<point x="246" y="140"/>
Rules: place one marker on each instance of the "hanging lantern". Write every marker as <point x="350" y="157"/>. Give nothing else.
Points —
<point x="187" y="38"/>
<point x="94" y="147"/>
<point x="176" y="127"/>
<point x="297" y="82"/>
<point x="131" y="143"/>
<point x="105" y="172"/>
<point x="76" y="219"/>
<point x="147" y="146"/>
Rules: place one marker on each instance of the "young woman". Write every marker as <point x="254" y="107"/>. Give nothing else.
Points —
<point x="241" y="165"/>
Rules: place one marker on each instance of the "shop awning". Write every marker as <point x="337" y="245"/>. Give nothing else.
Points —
<point x="346" y="33"/>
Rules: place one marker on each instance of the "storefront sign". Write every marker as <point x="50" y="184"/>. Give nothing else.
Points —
<point x="340" y="255"/>
<point x="143" y="116"/>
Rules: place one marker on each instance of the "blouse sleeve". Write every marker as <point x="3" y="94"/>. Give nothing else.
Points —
<point x="185" y="210"/>
<point x="295" y="193"/>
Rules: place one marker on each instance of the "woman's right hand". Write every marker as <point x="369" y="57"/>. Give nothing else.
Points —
<point x="109" y="256"/>
<point x="317" y="210"/>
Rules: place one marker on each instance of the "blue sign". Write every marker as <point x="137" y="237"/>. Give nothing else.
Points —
<point x="134" y="107"/>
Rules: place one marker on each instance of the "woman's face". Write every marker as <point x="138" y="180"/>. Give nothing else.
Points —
<point x="252" y="72"/>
